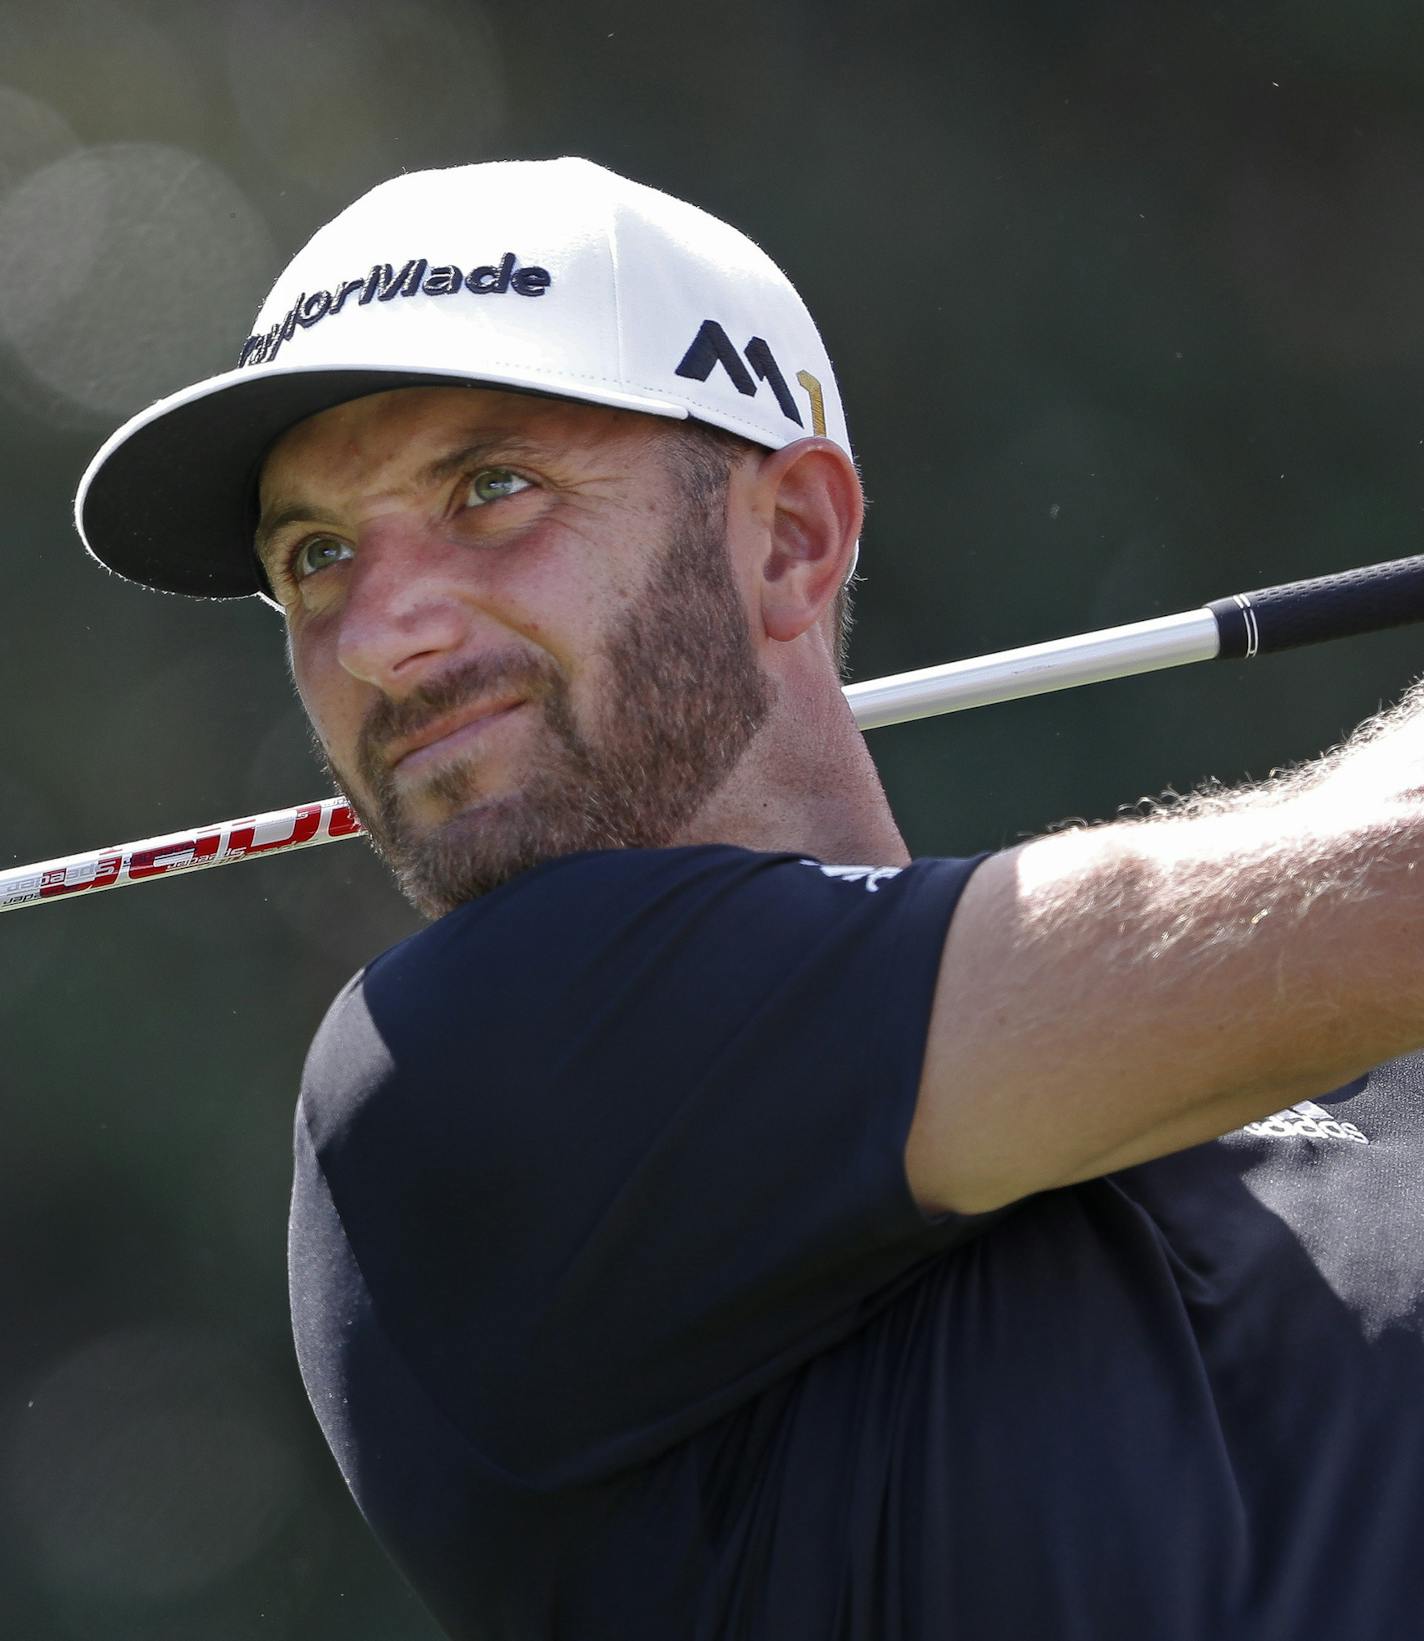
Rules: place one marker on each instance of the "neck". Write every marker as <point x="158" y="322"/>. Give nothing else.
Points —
<point x="805" y="785"/>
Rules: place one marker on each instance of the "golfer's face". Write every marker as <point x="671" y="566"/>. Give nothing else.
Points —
<point x="450" y="561"/>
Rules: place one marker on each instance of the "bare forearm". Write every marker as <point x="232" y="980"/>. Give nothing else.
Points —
<point x="1118" y="992"/>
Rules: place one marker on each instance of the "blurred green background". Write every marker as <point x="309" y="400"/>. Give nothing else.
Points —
<point x="1124" y="302"/>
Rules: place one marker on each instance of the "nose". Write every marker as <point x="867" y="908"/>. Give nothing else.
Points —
<point x="409" y="608"/>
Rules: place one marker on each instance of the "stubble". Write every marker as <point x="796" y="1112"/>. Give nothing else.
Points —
<point x="685" y="699"/>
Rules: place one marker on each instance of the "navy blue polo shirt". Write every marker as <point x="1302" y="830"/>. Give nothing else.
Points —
<point x="620" y="1320"/>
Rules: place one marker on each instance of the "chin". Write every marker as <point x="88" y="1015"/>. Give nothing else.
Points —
<point x="484" y="845"/>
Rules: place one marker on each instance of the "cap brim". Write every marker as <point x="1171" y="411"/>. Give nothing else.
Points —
<point x="170" y="500"/>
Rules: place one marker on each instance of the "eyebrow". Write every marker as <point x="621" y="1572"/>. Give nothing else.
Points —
<point x="490" y="443"/>
<point x="271" y="524"/>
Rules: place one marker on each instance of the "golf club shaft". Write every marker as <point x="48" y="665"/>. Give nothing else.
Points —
<point x="1240" y="627"/>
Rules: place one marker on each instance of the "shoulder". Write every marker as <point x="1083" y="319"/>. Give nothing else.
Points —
<point x="587" y="932"/>
<point x="582" y="904"/>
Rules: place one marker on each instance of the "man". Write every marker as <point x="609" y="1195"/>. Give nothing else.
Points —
<point x="713" y="1225"/>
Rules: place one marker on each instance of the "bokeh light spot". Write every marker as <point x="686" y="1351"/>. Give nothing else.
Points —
<point x="32" y="134"/>
<point x="147" y="1464"/>
<point x="127" y="272"/>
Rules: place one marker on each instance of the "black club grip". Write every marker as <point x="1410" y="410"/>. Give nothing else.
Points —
<point x="1329" y="606"/>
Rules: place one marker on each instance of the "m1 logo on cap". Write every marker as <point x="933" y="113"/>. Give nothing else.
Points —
<point x="383" y="284"/>
<point x="712" y="346"/>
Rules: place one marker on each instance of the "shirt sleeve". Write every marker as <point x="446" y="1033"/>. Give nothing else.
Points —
<point x="621" y="1145"/>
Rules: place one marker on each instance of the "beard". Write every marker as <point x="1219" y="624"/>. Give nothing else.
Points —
<point x="685" y="699"/>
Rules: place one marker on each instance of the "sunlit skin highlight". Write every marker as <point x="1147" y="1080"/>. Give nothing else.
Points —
<point x="517" y="633"/>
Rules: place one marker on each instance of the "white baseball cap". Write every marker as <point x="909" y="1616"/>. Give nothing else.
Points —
<point x="548" y="276"/>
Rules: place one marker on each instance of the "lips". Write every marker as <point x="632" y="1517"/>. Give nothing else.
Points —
<point x="448" y="732"/>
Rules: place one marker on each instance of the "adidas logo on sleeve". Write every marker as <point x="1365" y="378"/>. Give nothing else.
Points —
<point x="1308" y="1120"/>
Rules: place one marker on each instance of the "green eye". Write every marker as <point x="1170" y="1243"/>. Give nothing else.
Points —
<point x="494" y="484"/>
<point x="317" y="553"/>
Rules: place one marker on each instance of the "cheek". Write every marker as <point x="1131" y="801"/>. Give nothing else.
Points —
<point x="569" y="616"/>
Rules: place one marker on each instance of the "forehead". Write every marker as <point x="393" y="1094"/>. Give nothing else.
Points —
<point x="386" y="431"/>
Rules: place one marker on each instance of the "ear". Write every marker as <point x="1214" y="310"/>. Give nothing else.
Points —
<point x="811" y="501"/>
